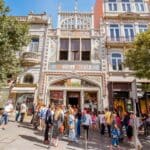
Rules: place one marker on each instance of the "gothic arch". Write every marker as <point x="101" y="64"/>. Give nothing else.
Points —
<point x="75" y="77"/>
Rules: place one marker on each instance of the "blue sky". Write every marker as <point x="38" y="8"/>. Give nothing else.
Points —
<point x="23" y="7"/>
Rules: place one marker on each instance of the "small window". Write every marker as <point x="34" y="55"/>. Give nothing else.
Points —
<point x="86" y="55"/>
<point x="117" y="61"/>
<point x="28" y="79"/>
<point x="139" y="4"/>
<point x="63" y="55"/>
<point x="112" y="5"/>
<point x="34" y="45"/>
<point x="143" y="28"/>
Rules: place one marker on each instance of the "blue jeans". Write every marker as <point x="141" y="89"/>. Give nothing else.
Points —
<point x="78" y="128"/>
<point x="115" y="141"/>
<point x="4" y="119"/>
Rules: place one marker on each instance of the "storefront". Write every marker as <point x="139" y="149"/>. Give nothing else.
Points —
<point x="144" y="103"/>
<point x="119" y="96"/>
<point x="24" y="94"/>
<point x="76" y="92"/>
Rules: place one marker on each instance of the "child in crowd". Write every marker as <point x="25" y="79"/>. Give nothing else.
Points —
<point x="115" y="133"/>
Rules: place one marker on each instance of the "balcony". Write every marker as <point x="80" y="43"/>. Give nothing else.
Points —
<point x="30" y="59"/>
<point x="119" y="42"/>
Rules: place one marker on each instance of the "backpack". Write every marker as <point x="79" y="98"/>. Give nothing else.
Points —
<point x="84" y="119"/>
<point x="48" y="117"/>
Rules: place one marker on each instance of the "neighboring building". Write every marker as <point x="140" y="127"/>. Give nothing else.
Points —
<point x="120" y="22"/>
<point x="26" y="85"/>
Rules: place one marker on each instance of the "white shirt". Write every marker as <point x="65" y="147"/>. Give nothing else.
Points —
<point x="23" y="108"/>
<point x="101" y="118"/>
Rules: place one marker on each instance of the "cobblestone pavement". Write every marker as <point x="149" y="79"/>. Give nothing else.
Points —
<point x="23" y="137"/>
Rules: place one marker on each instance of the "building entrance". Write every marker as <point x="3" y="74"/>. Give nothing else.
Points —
<point x="73" y="98"/>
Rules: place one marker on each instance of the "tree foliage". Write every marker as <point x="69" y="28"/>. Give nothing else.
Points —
<point x="138" y="58"/>
<point x="13" y="36"/>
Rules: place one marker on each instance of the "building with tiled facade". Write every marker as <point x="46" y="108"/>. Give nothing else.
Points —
<point x="81" y="61"/>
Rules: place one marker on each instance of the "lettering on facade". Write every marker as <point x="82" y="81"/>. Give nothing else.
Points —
<point x="81" y="67"/>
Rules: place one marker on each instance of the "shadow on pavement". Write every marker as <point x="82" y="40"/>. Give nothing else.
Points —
<point x="25" y="125"/>
<point x="31" y="138"/>
<point x="42" y="146"/>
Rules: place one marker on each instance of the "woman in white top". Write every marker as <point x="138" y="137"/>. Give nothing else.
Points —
<point x="101" y="118"/>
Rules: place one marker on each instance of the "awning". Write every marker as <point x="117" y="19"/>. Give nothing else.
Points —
<point x="23" y="90"/>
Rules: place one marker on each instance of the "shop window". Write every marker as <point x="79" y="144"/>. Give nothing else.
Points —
<point x="28" y="79"/>
<point x="34" y="45"/>
<point x="117" y="61"/>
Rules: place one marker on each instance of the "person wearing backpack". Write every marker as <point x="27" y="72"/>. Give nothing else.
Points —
<point x="86" y="122"/>
<point x="48" y="124"/>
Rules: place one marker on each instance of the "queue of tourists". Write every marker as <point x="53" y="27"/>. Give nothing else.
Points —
<point x="75" y="123"/>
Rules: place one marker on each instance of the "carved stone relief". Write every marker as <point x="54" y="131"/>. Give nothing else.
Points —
<point x="52" y="49"/>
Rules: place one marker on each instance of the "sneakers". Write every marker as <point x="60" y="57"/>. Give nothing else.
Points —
<point x="46" y="142"/>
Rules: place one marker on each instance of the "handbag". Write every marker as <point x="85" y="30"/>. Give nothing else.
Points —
<point x="61" y="129"/>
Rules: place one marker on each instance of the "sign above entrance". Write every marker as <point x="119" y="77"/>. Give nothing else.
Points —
<point x="81" y="67"/>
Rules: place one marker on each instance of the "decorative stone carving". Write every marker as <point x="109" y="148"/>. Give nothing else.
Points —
<point x="53" y="49"/>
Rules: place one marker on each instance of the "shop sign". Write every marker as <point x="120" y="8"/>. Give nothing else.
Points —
<point x="81" y="67"/>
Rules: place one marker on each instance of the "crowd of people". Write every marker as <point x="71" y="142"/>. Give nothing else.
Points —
<point x="60" y="120"/>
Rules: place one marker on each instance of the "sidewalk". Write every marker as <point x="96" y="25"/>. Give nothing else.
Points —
<point x="23" y="137"/>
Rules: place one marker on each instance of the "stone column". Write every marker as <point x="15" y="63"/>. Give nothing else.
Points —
<point x="65" y="97"/>
<point x="82" y="100"/>
<point x="100" y="105"/>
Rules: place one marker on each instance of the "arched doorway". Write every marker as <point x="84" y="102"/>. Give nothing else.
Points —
<point x="76" y="92"/>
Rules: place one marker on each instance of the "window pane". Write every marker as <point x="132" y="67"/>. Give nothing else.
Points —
<point x="115" y="7"/>
<point x="114" y="64"/>
<point x="119" y="64"/>
<point x="85" y="56"/>
<point x="86" y="45"/>
<point x="116" y="55"/>
<point x="64" y="44"/>
<point x="63" y="55"/>
<point x="128" y="8"/>
<point x="34" y="45"/>
<point x="75" y="55"/>
<point x="75" y="44"/>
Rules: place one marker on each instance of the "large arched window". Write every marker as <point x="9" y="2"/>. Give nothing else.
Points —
<point x="117" y="61"/>
<point x="28" y="79"/>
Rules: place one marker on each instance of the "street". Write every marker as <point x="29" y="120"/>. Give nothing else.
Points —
<point x="23" y="137"/>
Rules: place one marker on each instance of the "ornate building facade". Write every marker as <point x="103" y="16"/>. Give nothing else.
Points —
<point x="74" y="65"/>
